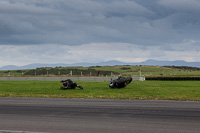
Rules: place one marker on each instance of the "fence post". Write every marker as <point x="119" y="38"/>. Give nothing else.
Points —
<point x="140" y="72"/>
<point x="71" y="73"/>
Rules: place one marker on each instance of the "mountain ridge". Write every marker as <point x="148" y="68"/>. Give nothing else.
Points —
<point x="150" y="62"/>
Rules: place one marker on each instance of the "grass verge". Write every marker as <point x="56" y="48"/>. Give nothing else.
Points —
<point x="146" y="90"/>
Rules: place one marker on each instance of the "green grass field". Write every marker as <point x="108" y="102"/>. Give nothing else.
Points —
<point x="144" y="90"/>
<point x="134" y="71"/>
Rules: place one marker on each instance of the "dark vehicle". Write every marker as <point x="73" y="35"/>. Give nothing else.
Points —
<point x="69" y="84"/>
<point x="120" y="82"/>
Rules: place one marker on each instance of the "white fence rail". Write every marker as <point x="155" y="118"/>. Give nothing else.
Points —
<point x="72" y="78"/>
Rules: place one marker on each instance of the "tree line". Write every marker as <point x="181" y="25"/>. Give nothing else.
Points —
<point x="56" y="71"/>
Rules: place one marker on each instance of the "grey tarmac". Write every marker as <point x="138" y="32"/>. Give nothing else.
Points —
<point x="62" y="115"/>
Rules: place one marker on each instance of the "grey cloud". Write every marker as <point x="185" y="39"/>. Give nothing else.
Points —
<point x="155" y="22"/>
<point x="95" y="52"/>
<point x="181" y="5"/>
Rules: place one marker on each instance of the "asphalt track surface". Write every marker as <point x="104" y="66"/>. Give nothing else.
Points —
<point x="60" y="115"/>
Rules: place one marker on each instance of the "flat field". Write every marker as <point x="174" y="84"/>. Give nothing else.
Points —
<point x="144" y="90"/>
<point x="134" y="71"/>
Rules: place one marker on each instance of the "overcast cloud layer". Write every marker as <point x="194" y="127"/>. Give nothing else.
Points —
<point x="72" y="31"/>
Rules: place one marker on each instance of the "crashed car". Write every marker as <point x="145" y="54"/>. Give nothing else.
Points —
<point x="69" y="84"/>
<point x="120" y="82"/>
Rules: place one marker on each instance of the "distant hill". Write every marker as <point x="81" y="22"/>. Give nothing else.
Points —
<point x="30" y="66"/>
<point x="107" y="63"/>
<point x="170" y="63"/>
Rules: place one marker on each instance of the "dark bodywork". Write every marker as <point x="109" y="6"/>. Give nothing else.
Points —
<point x="120" y="82"/>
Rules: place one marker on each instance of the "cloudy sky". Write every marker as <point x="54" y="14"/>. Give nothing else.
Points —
<point x="73" y="31"/>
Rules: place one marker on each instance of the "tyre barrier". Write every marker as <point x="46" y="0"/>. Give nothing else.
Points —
<point x="173" y="78"/>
